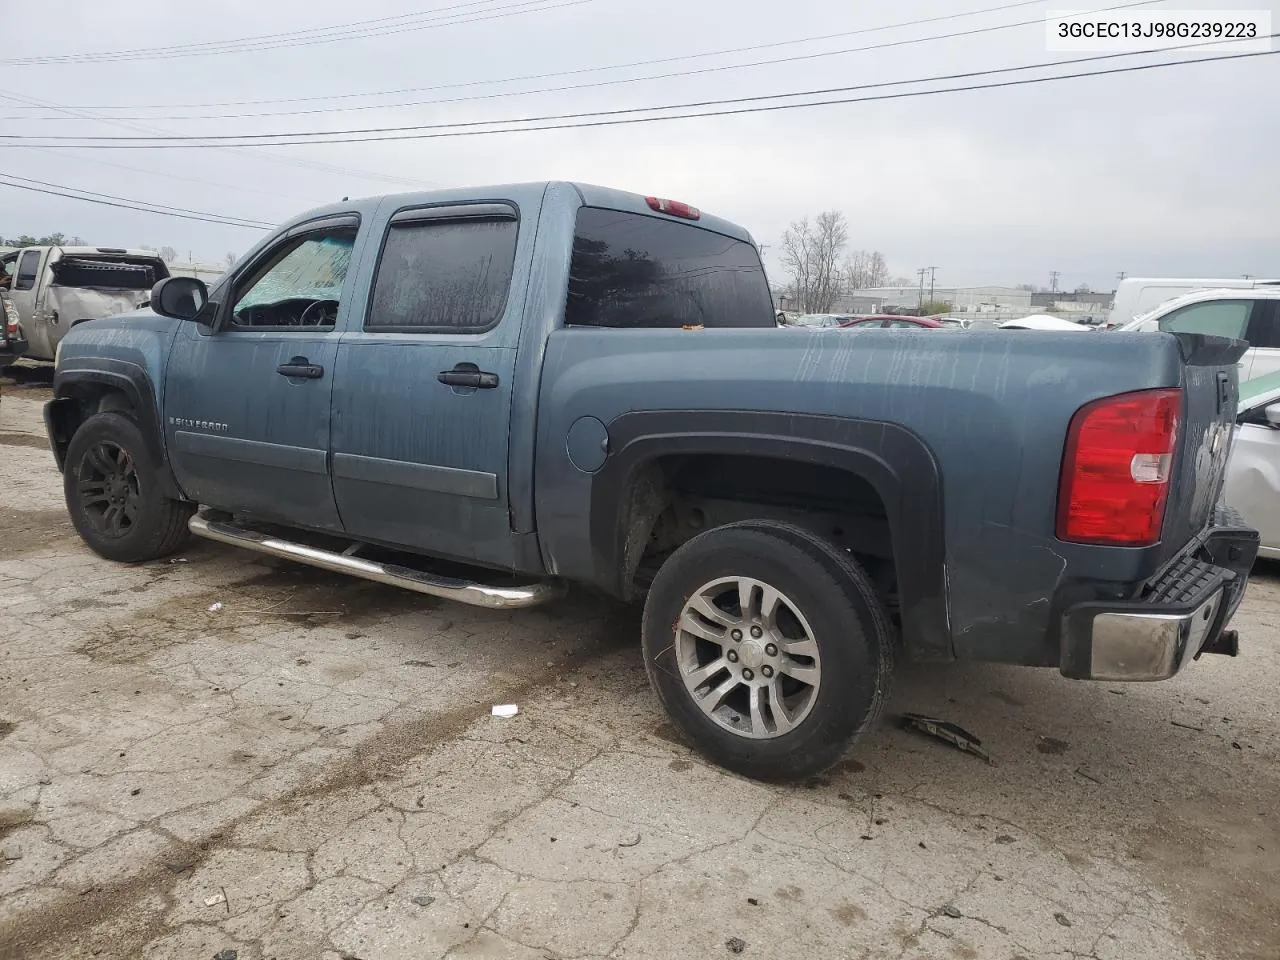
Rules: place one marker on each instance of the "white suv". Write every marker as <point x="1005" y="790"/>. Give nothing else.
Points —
<point x="1250" y="315"/>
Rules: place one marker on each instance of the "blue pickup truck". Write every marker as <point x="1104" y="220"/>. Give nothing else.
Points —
<point x="489" y="394"/>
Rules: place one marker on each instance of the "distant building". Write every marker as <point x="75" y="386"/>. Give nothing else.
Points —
<point x="989" y="299"/>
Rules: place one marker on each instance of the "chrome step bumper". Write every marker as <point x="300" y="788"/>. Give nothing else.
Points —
<point x="435" y="585"/>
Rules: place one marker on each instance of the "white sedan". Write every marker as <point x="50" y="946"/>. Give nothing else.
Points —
<point x="1253" y="473"/>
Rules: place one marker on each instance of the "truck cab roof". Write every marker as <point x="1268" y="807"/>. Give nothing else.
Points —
<point x="591" y="195"/>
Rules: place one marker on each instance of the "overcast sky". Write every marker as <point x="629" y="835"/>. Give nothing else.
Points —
<point x="1165" y="172"/>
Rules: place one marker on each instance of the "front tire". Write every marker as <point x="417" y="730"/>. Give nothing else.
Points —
<point x="114" y="494"/>
<point x="768" y="647"/>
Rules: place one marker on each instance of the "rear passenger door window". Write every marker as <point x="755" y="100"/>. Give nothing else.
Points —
<point x="630" y="270"/>
<point x="28" y="267"/>
<point x="442" y="274"/>
<point x="1218" y="318"/>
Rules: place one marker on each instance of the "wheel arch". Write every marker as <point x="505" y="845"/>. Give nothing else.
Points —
<point x="107" y="386"/>
<point x="628" y="494"/>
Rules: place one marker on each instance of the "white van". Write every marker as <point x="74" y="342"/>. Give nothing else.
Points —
<point x="1252" y="315"/>
<point x="1138" y="295"/>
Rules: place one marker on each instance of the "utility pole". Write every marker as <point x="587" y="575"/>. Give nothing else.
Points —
<point x="1246" y="276"/>
<point x="932" y="271"/>
<point x="920" y="300"/>
<point x="1121" y="275"/>
<point x="1053" y="281"/>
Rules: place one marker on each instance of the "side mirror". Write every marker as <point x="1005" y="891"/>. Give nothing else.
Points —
<point x="1272" y="413"/>
<point x="179" y="297"/>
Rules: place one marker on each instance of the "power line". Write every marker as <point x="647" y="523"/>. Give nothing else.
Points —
<point x="334" y="34"/>
<point x="268" y="157"/>
<point x="459" y="129"/>
<point x="136" y="205"/>
<point x="617" y="66"/>
<point x="162" y="206"/>
<point x="644" y="79"/>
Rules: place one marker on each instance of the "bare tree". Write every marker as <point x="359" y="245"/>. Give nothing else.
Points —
<point x="231" y="260"/>
<point x="168" y="254"/>
<point x="866" y="268"/>
<point x="811" y="253"/>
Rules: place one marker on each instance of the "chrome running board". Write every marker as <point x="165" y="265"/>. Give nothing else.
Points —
<point x="464" y="591"/>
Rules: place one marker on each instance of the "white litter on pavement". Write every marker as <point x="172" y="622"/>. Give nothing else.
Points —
<point x="505" y="710"/>
<point x="215" y="607"/>
<point x="213" y="901"/>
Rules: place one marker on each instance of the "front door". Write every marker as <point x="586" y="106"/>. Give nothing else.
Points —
<point x="247" y="401"/>
<point x="422" y="400"/>
<point x="27" y="294"/>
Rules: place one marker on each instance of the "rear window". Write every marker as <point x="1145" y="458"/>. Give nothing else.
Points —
<point x="631" y="270"/>
<point x="107" y="274"/>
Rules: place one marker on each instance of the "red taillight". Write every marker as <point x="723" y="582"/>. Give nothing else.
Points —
<point x="673" y="208"/>
<point x="1115" y="472"/>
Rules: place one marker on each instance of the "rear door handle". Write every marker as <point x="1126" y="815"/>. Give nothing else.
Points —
<point x="468" y="375"/>
<point x="300" y="368"/>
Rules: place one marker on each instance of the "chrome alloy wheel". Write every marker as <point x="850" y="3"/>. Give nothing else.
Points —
<point x="748" y="657"/>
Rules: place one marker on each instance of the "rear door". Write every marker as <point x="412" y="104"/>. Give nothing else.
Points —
<point x="422" y="401"/>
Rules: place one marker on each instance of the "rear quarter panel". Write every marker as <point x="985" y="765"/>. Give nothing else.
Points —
<point x="992" y="408"/>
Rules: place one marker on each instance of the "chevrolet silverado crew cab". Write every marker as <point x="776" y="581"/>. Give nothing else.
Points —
<point x="487" y="394"/>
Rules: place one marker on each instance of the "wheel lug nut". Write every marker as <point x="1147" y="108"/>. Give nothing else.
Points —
<point x="757" y="632"/>
<point x="767" y="671"/>
<point x="771" y="649"/>
<point x="736" y="635"/>
<point x="732" y="656"/>
<point x="747" y="674"/>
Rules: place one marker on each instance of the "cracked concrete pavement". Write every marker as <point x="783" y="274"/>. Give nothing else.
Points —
<point x="311" y="771"/>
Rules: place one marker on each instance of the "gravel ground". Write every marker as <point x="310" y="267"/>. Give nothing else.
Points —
<point x="311" y="771"/>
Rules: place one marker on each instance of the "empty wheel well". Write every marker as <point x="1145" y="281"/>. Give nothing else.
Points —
<point x="676" y="497"/>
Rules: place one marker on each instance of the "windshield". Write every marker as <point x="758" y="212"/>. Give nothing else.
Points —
<point x="1251" y="390"/>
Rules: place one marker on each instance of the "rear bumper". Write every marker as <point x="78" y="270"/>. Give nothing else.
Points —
<point x="1175" y="616"/>
<point x="11" y="348"/>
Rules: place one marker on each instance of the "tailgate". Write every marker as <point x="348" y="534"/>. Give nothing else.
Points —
<point x="1211" y="386"/>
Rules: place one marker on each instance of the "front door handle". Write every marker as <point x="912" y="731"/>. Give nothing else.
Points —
<point x="300" y="368"/>
<point x="468" y="375"/>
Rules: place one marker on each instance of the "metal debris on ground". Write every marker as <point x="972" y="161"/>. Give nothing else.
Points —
<point x="505" y="710"/>
<point x="736" y="944"/>
<point x="957" y="736"/>
<point x="1062" y="919"/>
<point x="952" y="911"/>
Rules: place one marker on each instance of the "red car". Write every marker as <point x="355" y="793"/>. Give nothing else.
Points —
<point x="892" y="320"/>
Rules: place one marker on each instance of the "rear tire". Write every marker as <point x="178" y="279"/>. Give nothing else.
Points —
<point x="114" y="494"/>
<point x="773" y="696"/>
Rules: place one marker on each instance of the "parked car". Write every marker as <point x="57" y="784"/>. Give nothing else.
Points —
<point x="1249" y="315"/>
<point x="1253" y="473"/>
<point x="820" y="320"/>
<point x="1136" y="296"/>
<point x="12" y="343"/>
<point x="892" y="321"/>
<point x="1041" y="322"/>
<point x="558" y="383"/>
<point x="54" y="288"/>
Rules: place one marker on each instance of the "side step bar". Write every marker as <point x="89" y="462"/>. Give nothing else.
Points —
<point x="464" y="591"/>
